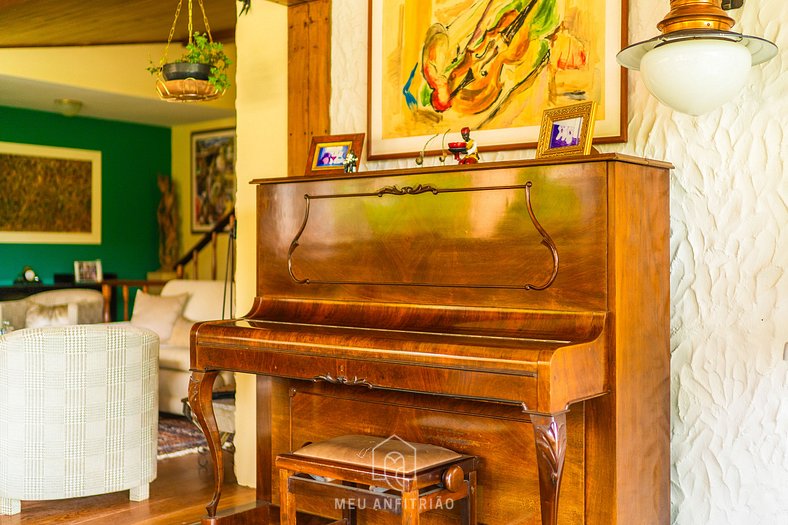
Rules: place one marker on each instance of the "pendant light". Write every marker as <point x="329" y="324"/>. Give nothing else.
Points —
<point x="697" y="63"/>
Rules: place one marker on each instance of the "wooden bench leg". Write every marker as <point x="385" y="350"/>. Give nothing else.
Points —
<point x="410" y="507"/>
<point x="287" y="506"/>
<point x="469" y="503"/>
<point x="349" y="512"/>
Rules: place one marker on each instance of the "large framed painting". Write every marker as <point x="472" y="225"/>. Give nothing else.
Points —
<point x="213" y="177"/>
<point x="494" y="66"/>
<point x="49" y="195"/>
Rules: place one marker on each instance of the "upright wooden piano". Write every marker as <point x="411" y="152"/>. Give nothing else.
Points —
<point x="516" y="311"/>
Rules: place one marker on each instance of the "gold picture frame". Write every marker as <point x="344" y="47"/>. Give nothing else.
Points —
<point x="213" y="180"/>
<point x="437" y="65"/>
<point x="566" y="131"/>
<point x="327" y="153"/>
<point x="39" y="179"/>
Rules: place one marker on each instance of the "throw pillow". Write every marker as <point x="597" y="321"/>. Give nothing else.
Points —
<point x="181" y="331"/>
<point x="157" y="312"/>
<point x="38" y="315"/>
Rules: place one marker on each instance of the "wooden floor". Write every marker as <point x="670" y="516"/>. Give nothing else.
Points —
<point x="177" y="496"/>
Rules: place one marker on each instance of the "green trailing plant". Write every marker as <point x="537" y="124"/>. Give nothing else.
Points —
<point x="200" y="50"/>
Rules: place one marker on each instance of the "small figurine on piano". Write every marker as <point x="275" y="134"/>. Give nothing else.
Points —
<point x="350" y="162"/>
<point x="468" y="148"/>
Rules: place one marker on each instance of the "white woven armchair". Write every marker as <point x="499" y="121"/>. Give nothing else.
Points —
<point x="78" y="412"/>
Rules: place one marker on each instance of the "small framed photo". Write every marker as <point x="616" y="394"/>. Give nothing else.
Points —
<point x="327" y="154"/>
<point x="88" y="271"/>
<point x="566" y="131"/>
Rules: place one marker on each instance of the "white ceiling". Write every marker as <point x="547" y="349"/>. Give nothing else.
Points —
<point x="37" y="95"/>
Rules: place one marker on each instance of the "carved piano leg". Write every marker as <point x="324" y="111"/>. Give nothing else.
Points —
<point x="550" y="438"/>
<point x="201" y="402"/>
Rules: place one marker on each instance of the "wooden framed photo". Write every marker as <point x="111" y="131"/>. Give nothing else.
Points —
<point x="88" y="271"/>
<point x="213" y="177"/>
<point x="566" y="131"/>
<point x="327" y="154"/>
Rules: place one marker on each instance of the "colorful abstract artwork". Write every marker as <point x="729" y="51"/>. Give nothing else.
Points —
<point x="491" y="65"/>
<point x="49" y="195"/>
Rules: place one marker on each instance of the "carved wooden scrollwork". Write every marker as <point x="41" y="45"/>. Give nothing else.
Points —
<point x="407" y="190"/>
<point x="343" y="380"/>
<point x="550" y="440"/>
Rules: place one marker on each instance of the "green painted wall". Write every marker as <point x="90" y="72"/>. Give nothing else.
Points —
<point x="132" y="155"/>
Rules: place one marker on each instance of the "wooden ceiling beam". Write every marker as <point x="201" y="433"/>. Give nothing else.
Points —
<point x="61" y="23"/>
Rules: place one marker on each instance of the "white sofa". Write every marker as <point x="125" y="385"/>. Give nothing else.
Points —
<point x="78" y="412"/>
<point x="171" y="314"/>
<point x="53" y="308"/>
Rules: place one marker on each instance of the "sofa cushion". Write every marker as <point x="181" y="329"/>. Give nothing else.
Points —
<point x="67" y="296"/>
<point x="157" y="312"/>
<point x="174" y="357"/>
<point x="181" y="331"/>
<point x="38" y="316"/>
<point x="205" y="298"/>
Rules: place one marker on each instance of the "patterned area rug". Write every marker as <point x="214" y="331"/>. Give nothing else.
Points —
<point x="178" y="436"/>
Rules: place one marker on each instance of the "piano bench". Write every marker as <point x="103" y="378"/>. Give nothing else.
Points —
<point x="376" y="473"/>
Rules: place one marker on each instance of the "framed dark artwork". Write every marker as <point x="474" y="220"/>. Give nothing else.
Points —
<point x="213" y="177"/>
<point x="327" y="153"/>
<point x="490" y="65"/>
<point x="88" y="271"/>
<point x="566" y="131"/>
<point x="36" y="180"/>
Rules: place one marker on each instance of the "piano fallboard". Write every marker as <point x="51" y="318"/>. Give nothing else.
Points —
<point x="542" y="374"/>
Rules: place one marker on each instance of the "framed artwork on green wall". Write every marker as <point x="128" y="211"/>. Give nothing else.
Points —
<point x="212" y="178"/>
<point x="49" y="195"/>
<point x="437" y="66"/>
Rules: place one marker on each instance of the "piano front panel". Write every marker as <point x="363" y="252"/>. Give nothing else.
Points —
<point x="508" y="489"/>
<point x="518" y="237"/>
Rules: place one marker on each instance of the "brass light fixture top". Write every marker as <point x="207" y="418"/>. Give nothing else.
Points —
<point x="696" y="19"/>
<point x="695" y="14"/>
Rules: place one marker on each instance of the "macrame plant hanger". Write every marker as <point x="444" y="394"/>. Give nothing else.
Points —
<point x="186" y="89"/>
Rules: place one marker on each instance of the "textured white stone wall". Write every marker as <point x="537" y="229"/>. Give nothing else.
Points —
<point x="729" y="253"/>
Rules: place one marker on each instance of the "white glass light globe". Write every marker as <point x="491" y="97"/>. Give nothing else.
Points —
<point x="696" y="76"/>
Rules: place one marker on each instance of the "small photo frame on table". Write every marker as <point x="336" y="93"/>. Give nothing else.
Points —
<point x="327" y="153"/>
<point x="566" y="131"/>
<point x="88" y="271"/>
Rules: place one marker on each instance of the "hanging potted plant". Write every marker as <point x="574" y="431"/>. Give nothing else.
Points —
<point x="200" y="73"/>
<point x="202" y="60"/>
